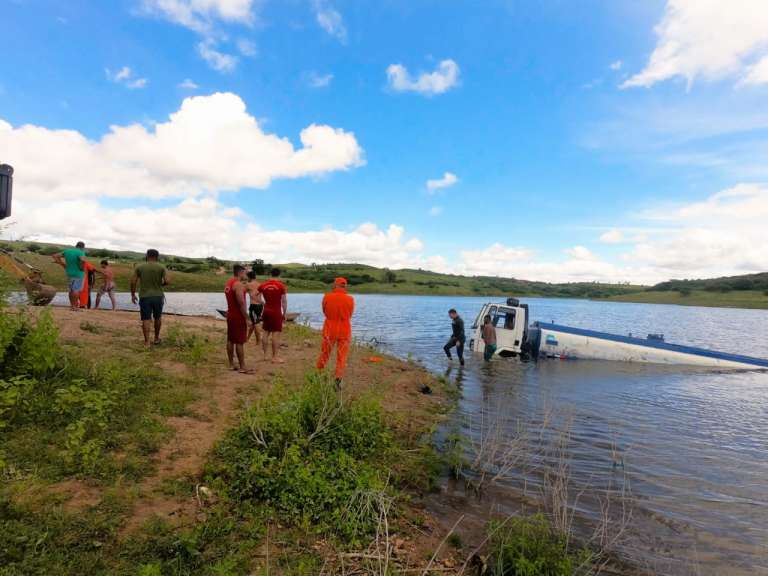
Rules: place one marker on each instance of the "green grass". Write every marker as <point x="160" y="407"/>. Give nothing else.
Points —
<point x="529" y="547"/>
<point x="313" y="460"/>
<point x="62" y="414"/>
<point x="324" y="470"/>
<point x="732" y="299"/>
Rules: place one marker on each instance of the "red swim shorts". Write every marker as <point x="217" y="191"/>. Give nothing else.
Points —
<point x="237" y="329"/>
<point x="272" y="320"/>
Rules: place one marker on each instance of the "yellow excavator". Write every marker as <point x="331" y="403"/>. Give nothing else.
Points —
<point x="39" y="293"/>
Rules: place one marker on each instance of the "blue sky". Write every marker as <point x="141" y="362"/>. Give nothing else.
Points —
<point x="584" y="141"/>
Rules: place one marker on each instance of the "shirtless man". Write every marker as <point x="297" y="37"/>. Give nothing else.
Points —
<point x="256" y="307"/>
<point x="275" y="307"/>
<point x="108" y="284"/>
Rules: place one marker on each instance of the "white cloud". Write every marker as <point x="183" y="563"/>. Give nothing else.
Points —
<point x="203" y="227"/>
<point x="721" y="235"/>
<point x="580" y="253"/>
<point x="435" y="210"/>
<point x="316" y="80"/>
<point x="127" y="78"/>
<point x="188" y="84"/>
<point x="445" y="77"/>
<point x="219" y="61"/>
<point x="330" y="20"/>
<point x="448" y="179"/>
<point x="199" y="15"/>
<point x="757" y="73"/>
<point x="616" y="65"/>
<point x="210" y="144"/>
<point x="247" y="48"/>
<point x="524" y="263"/>
<point x="710" y="39"/>
<point x="613" y="236"/>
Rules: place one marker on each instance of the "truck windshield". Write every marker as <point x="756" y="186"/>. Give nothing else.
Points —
<point x="504" y="318"/>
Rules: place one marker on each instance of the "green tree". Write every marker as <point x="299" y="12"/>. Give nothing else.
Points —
<point x="258" y="267"/>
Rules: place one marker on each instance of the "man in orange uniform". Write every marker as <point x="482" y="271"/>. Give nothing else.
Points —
<point x="338" y="307"/>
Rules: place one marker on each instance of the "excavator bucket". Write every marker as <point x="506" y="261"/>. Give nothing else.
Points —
<point x="38" y="292"/>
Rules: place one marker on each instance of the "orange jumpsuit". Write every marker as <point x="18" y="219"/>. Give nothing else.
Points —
<point x="338" y="307"/>
<point x="85" y="292"/>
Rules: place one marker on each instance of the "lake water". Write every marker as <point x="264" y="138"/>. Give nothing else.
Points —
<point x="691" y="447"/>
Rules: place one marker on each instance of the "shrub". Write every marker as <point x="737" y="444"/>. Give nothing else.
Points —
<point x="529" y="547"/>
<point x="312" y="458"/>
<point x="189" y="347"/>
<point x="64" y="413"/>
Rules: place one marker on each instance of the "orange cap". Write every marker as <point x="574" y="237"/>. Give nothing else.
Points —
<point x="340" y="281"/>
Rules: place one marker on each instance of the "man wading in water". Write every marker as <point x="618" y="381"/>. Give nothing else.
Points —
<point x="458" y="338"/>
<point x="489" y="337"/>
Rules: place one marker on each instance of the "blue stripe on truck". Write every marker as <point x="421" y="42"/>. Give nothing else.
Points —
<point x="653" y="344"/>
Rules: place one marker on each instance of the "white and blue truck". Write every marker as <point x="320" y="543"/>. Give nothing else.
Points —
<point x="516" y="337"/>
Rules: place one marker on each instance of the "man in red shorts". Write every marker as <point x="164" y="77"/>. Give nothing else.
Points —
<point x="275" y="307"/>
<point x="237" y="319"/>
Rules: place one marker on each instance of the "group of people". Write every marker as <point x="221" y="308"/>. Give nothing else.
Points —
<point x="250" y="304"/>
<point x="81" y="275"/>
<point x="268" y="306"/>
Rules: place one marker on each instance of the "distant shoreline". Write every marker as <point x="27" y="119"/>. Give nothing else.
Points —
<point x="744" y="299"/>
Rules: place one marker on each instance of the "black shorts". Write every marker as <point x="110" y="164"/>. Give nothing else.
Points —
<point x="151" y="306"/>
<point x="254" y="312"/>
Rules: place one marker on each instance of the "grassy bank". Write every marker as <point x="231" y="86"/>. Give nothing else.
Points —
<point x="120" y="460"/>
<point x="732" y="299"/>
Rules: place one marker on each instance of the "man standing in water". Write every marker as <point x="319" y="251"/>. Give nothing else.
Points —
<point x="237" y="319"/>
<point x="275" y="307"/>
<point x="458" y="338"/>
<point x="489" y="338"/>
<point x="152" y="277"/>
<point x="73" y="261"/>
<point x="338" y="307"/>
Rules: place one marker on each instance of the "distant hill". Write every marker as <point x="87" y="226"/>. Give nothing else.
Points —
<point x="723" y="284"/>
<point x="207" y="275"/>
<point x="745" y="291"/>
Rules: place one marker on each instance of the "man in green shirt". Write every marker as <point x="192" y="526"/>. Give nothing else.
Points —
<point x="73" y="259"/>
<point x="151" y="277"/>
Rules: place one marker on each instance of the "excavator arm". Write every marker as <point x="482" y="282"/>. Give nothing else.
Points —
<point x="39" y="293"/>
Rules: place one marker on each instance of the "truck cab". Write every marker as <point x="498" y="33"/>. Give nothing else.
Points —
<point x="511" y="322"/>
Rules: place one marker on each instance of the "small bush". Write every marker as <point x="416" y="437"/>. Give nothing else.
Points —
<point x="313" y="459"/>
<point x="529" y="547"/>
<point x="190" y="347"/>
<point x="65" y="414"/>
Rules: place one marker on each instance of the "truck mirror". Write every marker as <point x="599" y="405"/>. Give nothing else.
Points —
<point x="6" y="189"/>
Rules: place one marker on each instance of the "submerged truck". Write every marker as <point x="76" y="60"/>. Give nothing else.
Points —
<point x="516" y="336"/>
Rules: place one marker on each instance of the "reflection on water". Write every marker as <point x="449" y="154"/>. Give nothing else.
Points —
<point x="694" y="444"/>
